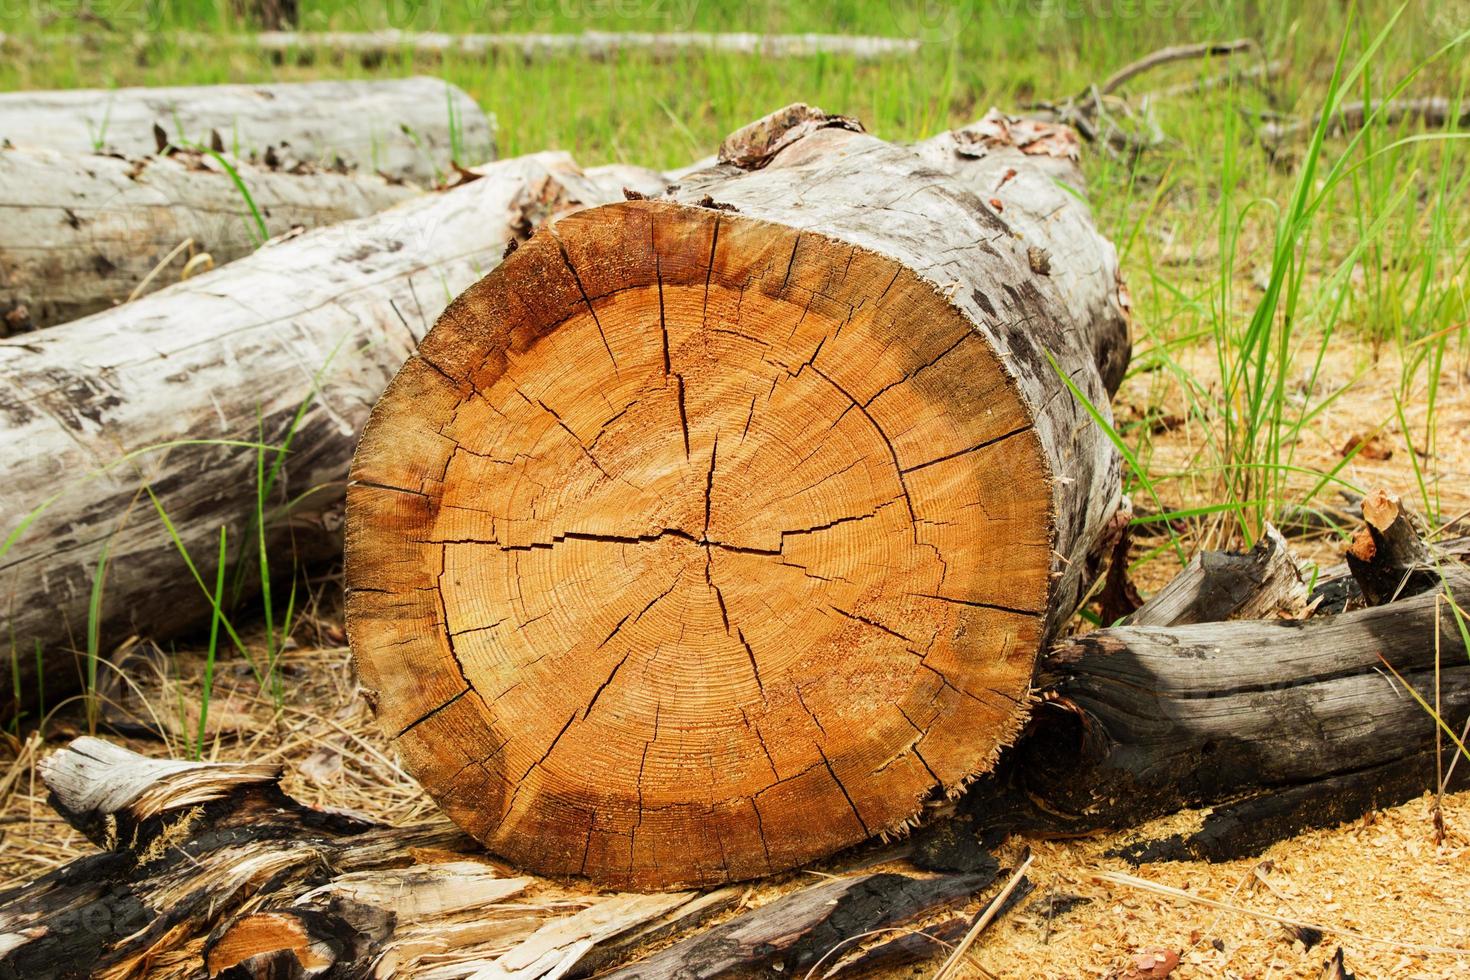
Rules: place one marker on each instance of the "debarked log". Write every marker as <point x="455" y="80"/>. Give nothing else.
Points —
<point x="406" y="128"/>
<point x="709" y="535"/>
<point x="166" y="397"/>
<point x="84" y="232"/>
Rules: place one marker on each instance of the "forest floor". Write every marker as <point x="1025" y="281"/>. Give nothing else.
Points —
<point x="1286" y="361"/>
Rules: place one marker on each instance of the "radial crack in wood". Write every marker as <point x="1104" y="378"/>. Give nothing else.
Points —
<point x="697" y="542"/>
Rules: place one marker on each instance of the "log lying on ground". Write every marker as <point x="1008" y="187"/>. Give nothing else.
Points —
<point x="85" y="232"/>
<point x="707" y="536"/>
<point x="1432" y="112"/>
<point x="210" y="870"/>
<point x="1280" y="725"/>
<point x="321" y="321"/>
<point x="405" y="128"/>
<point x="588" y="44"/>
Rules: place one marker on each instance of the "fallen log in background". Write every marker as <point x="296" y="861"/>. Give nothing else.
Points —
<point x="84" y="232"/>
<point x="707" y="536"/>
<point x="321" y="321"/>
<point x="376" y="45"/>
<point x="404" y="128"/>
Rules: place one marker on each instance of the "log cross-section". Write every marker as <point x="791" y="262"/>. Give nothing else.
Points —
<point x="710" y="535"/>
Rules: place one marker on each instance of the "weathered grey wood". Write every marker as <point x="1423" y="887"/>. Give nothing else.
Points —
<point x="209" y="867"/>
<point x="1265" y="582"/>
<point x="399" y="127"/>
<point x="1283" y="725"/>
<point x="1434" y="112"/>
<point x="83" y="232"/>
<point x="793" y="933"/>
<point x="324" y="319"/>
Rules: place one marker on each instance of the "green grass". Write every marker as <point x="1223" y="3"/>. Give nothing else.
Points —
<point x="1264" y="288"/>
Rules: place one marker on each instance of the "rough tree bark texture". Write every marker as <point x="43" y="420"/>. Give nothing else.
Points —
<point x="709" y="535"/>
<point x="322" y="319"/>
<point x="83" y="232"/>
<point x="399" y="127"/>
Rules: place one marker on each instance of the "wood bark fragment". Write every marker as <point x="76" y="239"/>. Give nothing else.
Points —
<point x="405" y="128"/>
<point x="208" y="869"/>
<point x="320" y="320"/>
<point x="1388" y="556"/>
<point x="1266" y="582"/>
<point x="710" y="535"/>
<point x="118" y="229"/>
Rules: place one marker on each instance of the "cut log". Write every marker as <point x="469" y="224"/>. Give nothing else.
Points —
<point x="707" y="536"/>
<point x="320" y="320"/>
<point x="126" y="227"/>
<point x="406" y="128"/>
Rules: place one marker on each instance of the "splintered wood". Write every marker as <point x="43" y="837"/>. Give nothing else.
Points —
<point x="692" y="546"/>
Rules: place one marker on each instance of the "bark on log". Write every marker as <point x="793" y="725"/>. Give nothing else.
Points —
<point x="322" y="319"/>
<point x="711" y="535"/>
<point x="596" y="45"/>
<point x="405" y="128"/>
<point x="84" y="232"/>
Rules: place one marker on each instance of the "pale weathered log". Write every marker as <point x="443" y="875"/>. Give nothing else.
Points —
<point x="84" y="232"/>
<point x="712" y="534"/>
<point x="320" y="320"/>
<point x="587" y="44"/>
<point x="1432" y="112"/>
<point x="405" y="128"/>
